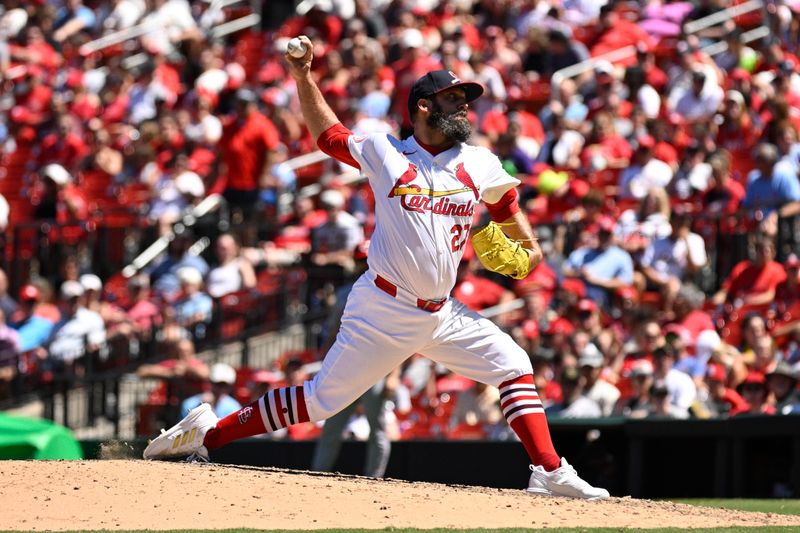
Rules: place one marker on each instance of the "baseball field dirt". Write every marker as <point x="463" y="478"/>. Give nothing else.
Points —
<point x="135" y="494"/>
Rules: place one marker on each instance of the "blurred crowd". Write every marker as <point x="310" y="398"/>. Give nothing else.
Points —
<point x="663" y="184"/>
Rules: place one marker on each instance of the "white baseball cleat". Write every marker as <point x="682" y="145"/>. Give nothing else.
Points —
<point x="184" y="438"/>
<point x="563" y="481"/>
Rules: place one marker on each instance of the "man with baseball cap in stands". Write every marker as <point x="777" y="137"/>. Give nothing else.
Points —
<point x="604" y="267"/>
<point x="79" y="332"/>
<point x="591" y="363"/>
<point x="33" y="329"/>
<point x="61" y="200"/>
<point x="782" y="385"/>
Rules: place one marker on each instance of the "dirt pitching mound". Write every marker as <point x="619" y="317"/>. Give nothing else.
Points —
<point x="135" y="494"/>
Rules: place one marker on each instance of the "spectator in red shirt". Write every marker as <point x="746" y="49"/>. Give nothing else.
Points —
<point x="185" y="373"/>
<point x="33" y="94"/>
<point x="689" y="314"/>
<point x="477" y="292"/>
<point x="646" y="59"/>
<point x="722" y="400"/>
<point x="33" y="49"/>
<point x="248" y="148"/>
<point x="605" y="148"/>
<point x="141" y="313"/>
<point x="753" y="282"/>
<point x="738" y="134"/>
<point x="517" y="122"/>
<point x="64" y="146"/>
<point x="61" y="200"/>
<point x="617" y="32"/>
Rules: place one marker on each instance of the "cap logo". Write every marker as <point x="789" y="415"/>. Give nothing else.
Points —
<point x="455" y="79"/>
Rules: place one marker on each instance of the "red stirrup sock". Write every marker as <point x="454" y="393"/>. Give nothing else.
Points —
<point x="524" y="412"/>
<point x="277" y="409"/>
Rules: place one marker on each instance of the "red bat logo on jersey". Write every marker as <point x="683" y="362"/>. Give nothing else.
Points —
<point x="415" y="198"/>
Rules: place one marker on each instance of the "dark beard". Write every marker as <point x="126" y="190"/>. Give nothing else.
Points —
<point x="454" y="126"/>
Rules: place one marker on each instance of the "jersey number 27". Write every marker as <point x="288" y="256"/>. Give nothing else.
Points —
<point x="457" y="243"/>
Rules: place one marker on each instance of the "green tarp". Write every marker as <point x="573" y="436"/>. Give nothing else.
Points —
<point x="29" y="438"/>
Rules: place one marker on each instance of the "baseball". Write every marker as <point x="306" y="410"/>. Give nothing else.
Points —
<point x="296" y="48"/>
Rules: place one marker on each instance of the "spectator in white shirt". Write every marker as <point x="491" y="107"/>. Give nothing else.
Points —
<point x="645" y="172"/>
<point x="595" y="388"/>
<point x="700" y="101"/>
<point x="334" y="241"/>
<point x="79" y="331"/>
<point x="574" y="403"/>
<point x="680" y="386"/>
<point x="666" y="261"/>
<point x="124" y="14"/>
<point x="172" y="22"/>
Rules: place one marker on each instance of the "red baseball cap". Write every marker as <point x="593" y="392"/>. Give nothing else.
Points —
<point x="646" y="141"/>
<point x="682" y="332"/>
<point x="587" y="305"/>
<point x="627" y="293"/>
<point x="574" y="286"/>
<point x="29" y="292"/>
<point x="739" y="74"/>
<point x="717" y="373"/>
<point x="606" y="223"/>
<point x="530" y="328"/>
<point x="560" y="325"/>
<point x="792" y="261"/>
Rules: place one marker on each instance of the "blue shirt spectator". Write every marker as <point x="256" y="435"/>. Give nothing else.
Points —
<point x="193" y="309"/>
<point x="33" y="332"/>
<point x="770" y="186"/>
<point x="71" y="19"/>
<point x="602" y="268"/>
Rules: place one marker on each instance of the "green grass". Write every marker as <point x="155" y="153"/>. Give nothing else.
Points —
<point x="762" y="506"/>
<point x="770" y="529"/>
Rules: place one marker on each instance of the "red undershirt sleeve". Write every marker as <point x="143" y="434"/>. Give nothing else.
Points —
<point x="333" y="142"/>
<point x="505" y="208"/>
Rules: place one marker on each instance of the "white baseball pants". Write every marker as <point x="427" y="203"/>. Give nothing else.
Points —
<point x="379" y="332"/>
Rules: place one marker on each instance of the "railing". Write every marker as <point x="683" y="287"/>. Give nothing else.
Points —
<point x="233" y="26"/>
<point x="746" y="37"/>
<point x="209" y="204"/>
<point x="721" y="16"/>
<point x="590" y="64"/>
<point x="248" y="329"/>
<point x="142" y="29"/>
<point x="689" y="28"/>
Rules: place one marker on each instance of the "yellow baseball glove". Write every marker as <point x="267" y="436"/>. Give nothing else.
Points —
<point x="500" y="254"/>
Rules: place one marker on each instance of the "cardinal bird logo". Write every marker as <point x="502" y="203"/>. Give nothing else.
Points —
<point x="407" y="177"/>
<point x="464" y="177"/>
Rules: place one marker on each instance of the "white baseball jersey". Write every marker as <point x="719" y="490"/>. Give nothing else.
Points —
<point x="424" y="207"/>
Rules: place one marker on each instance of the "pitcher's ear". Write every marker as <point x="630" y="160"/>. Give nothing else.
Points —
<point x="424" y="104"/>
